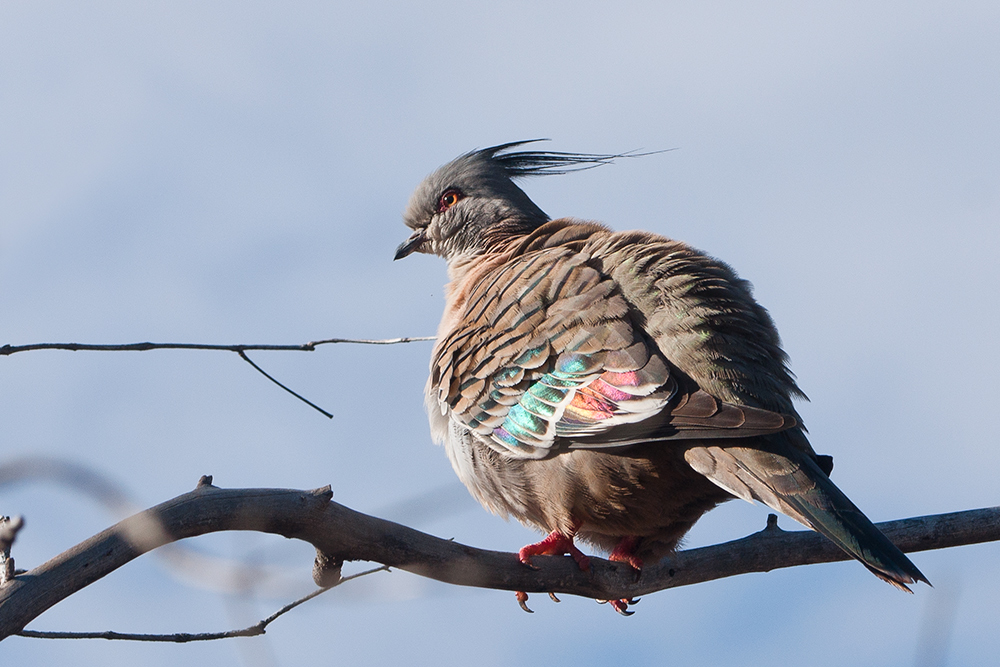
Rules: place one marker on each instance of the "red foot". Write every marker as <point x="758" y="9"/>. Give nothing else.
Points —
<point x="556" y="544"/>
<point x="624" y="552"/>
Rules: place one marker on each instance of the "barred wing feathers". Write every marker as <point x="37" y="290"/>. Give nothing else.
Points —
<point x="547" y="354"/>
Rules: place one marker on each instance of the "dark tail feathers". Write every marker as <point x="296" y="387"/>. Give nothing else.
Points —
<point x="790" y="481"/>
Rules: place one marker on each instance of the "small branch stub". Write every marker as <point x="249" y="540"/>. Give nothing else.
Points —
<point x="327" y="569"/>
<point x="324" y="493"/>
<point x="8" y="532"/>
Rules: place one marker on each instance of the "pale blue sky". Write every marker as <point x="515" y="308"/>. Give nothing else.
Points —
<point x="235" y="171"/>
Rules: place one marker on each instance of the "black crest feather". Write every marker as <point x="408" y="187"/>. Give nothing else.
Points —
<point x="522" y="164"/>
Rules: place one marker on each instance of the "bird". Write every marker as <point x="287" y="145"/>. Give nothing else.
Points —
<point x="609" y="386"/>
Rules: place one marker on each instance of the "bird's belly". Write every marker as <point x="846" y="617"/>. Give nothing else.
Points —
<point x="645" y="491"/>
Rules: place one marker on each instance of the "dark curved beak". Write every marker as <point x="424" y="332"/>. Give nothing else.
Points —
<point x="410" y="245"/>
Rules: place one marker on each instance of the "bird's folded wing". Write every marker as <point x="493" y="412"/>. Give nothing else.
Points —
<point x="690" y="416"/>
<point x="546" y="353"/>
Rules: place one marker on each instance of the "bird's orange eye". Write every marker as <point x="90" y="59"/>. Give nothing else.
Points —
<point x="448" y="199"/>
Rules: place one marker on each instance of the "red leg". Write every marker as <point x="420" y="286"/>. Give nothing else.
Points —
<point x="624" y="552"/>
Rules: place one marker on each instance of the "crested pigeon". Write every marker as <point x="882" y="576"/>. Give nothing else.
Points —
<point x="610" y="386"/>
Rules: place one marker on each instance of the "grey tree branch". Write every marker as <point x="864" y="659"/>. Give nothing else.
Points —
<point x="342" y="534"/>
<point x="191" y="566"/>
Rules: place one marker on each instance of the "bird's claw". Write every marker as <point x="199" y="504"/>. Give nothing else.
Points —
<point x="621" y="605"/>
<point x="522" y="599"/>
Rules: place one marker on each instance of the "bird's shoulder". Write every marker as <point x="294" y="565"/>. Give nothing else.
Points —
<point x="701" y="314"/>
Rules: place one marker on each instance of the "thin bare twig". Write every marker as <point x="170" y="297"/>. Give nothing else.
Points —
<point x="244" y="357"/>
<point x="254" y="630"/>
<point x="7" y="350"/>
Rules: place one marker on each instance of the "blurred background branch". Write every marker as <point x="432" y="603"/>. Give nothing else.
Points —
<point x="191" y="567"/>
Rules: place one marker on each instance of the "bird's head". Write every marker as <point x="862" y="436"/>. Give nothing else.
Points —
<point x="472" y="203"/>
